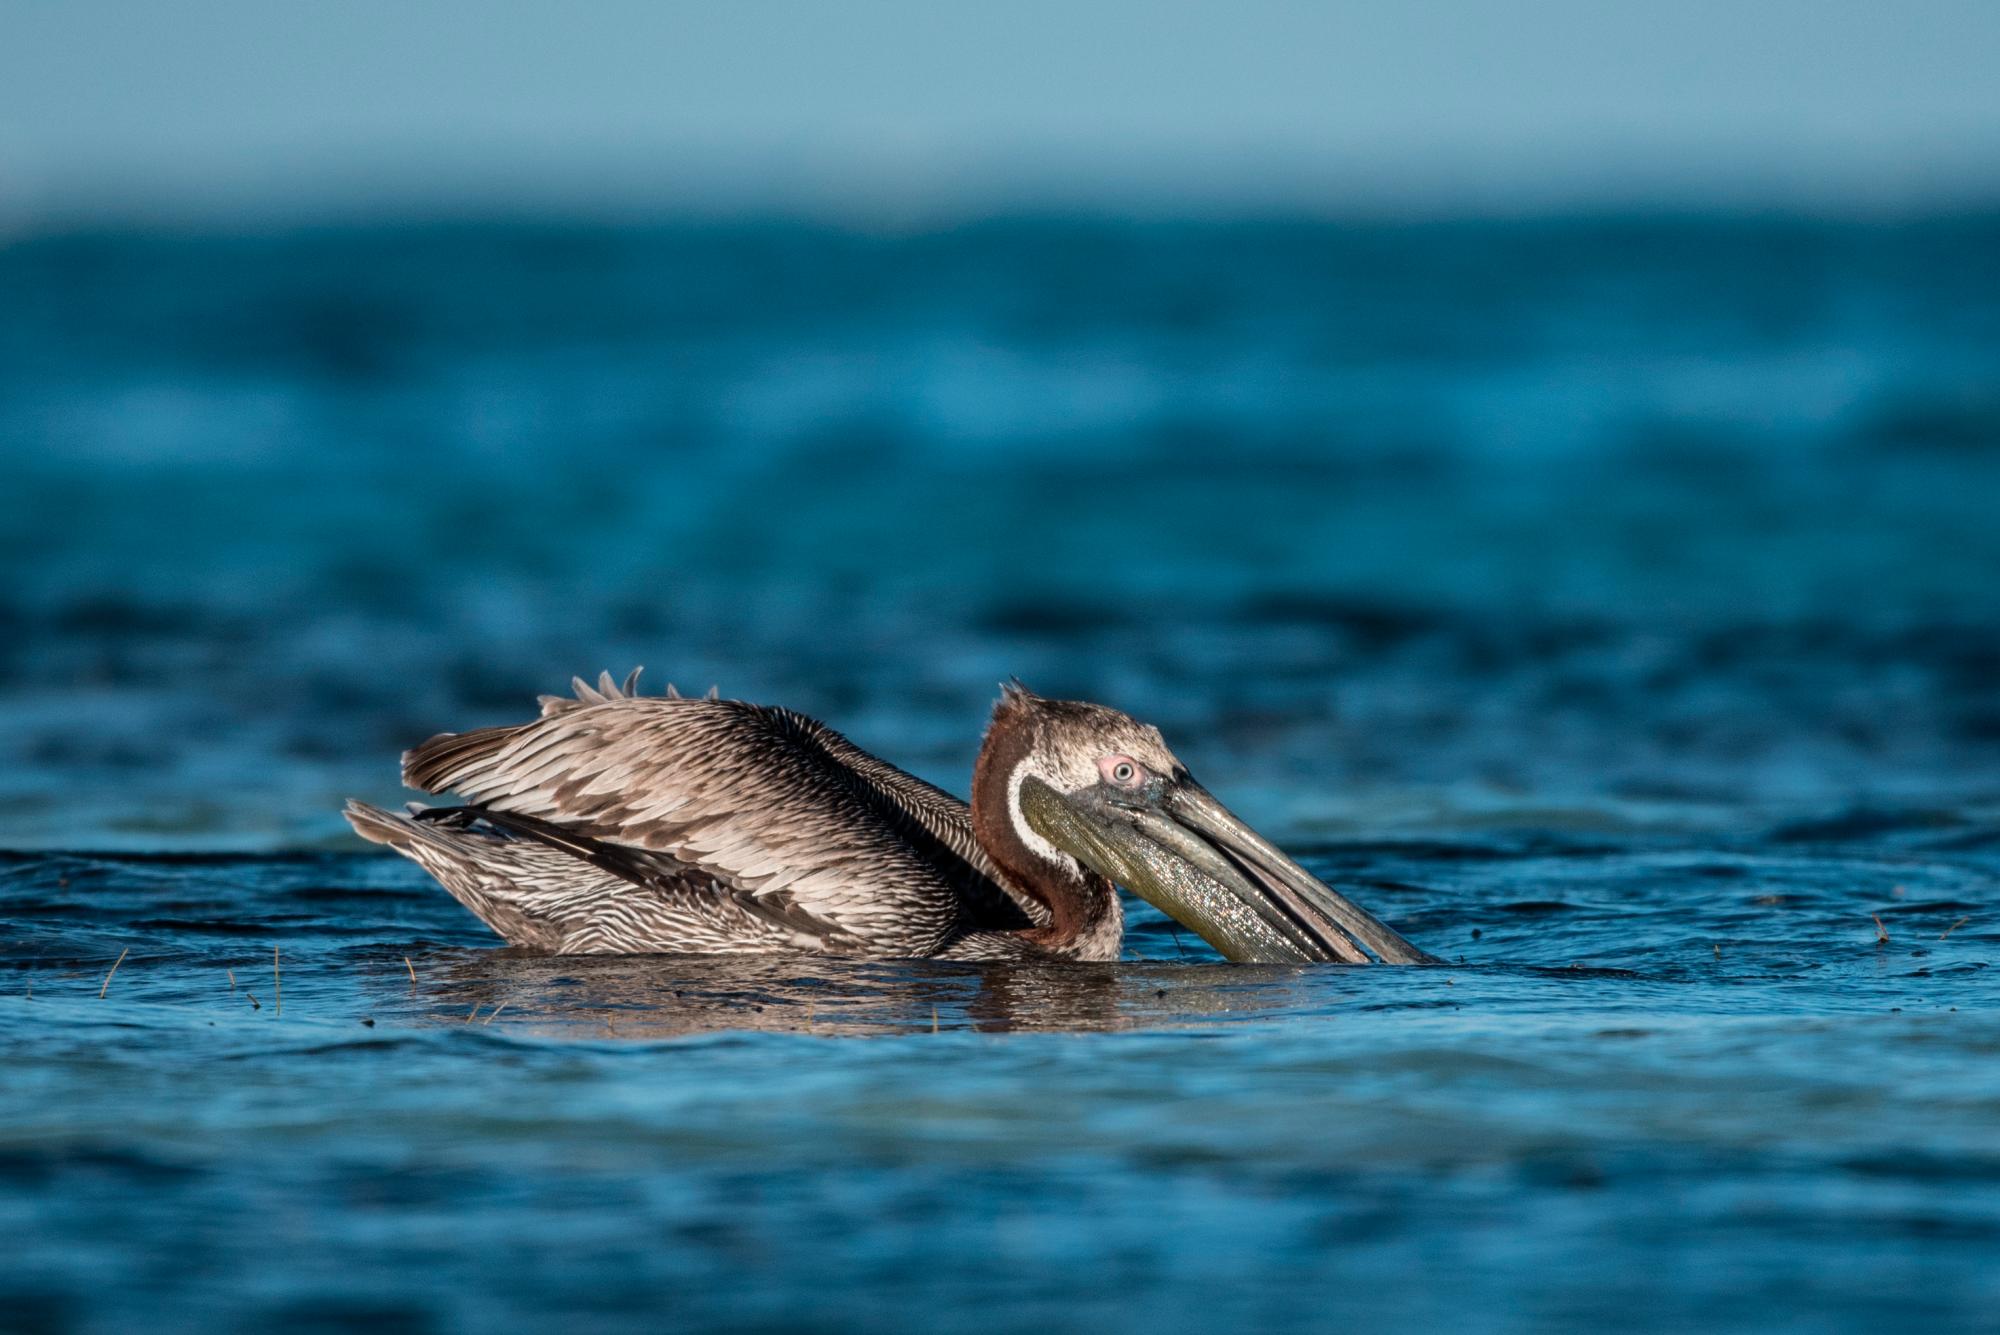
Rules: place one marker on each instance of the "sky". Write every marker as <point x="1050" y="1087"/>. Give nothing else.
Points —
<point x="888" y="107"/>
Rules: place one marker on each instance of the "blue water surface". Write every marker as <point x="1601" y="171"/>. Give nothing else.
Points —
<point x="1611" y="603"/>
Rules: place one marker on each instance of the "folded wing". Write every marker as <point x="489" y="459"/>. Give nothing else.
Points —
<point x="777" y="808"/>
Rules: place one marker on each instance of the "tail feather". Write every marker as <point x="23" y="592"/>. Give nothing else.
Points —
<point x="541" y="887"/>
<point x="474" y="867"/>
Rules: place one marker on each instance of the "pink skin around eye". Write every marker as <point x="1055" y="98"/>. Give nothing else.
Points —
<point x="1108" y="767"/>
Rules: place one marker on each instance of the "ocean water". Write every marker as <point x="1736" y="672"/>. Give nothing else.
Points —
<point x="1613" y="604"/>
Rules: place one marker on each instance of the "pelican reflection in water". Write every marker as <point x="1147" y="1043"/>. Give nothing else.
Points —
<point x="640" y="997"/>
<point x="620" y="824"/>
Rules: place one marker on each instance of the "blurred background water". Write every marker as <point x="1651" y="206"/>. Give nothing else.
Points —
<point x="1606" y="589"/>
<point x="1607" y="521"/>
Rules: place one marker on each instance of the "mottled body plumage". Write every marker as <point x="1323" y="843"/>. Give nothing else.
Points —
<point x="622" y="824"/>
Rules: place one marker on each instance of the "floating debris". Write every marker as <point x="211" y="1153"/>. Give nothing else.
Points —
<point x="114" y="969"/>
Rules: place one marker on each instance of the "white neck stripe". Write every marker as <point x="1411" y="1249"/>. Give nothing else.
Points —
<point x="1030" y="836"/>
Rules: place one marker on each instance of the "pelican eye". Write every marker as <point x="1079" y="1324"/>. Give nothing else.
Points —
<point x="1122" y="771"/>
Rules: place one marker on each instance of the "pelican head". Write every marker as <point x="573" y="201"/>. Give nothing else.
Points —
<point x="1087" y="782"/>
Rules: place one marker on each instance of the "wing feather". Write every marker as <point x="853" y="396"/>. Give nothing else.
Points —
<point x="767" y="800"/>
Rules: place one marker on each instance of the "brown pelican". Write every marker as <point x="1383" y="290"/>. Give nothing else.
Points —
<point x="621" y="824"/>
